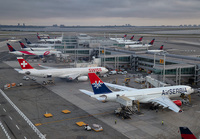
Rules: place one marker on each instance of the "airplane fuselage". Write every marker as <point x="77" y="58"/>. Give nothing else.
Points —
<point x="143" y="95"/>
<point x="64" y="72"/>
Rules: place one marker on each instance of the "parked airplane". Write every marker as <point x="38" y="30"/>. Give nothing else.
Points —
<point x="140" y="45"/>
<point x="186" y="133"/>
<point x="115" y="39"/>
<point x="56" y="39"/>
<point x="66" y="73"/>
<point x="40" y="44"/>
<point x="130" y="41"/>
<point x="36" y="53"/>
<point x="43" y="36"/>
<point x="23" y="47"/>
<point x="157" y="51"/>
<point x="160" y="96"/>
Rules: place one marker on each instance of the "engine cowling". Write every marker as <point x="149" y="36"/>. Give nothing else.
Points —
<point x="177" y="102"/>
<point x="82" y="78"/>
<point x="27" y="72"/>
<point x="102" y="98"/>
<point x="49" y="75"/>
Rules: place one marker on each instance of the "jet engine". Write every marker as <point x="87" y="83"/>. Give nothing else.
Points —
<point x="27" y="72"/>
<point x="177" y="102"/>
<point x="49" y="75"/>
<point x="82" y="78"/>
<point x="102" y="98"/>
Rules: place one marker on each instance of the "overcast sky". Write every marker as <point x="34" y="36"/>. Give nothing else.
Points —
<point x="100" y="12"/>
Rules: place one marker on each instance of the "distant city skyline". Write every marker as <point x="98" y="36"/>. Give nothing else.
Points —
<point x="100" y="12"/>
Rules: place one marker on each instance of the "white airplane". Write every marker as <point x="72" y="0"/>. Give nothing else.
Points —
<point x="140" y="45"/>
<point x="130" y="41"/>
<point x="66" y="73"/>
<point x="43" y="36"/>
<point x="160" y="96"/>
<point x="115" y="39"/>
<point x="56" y="39"/>
<point x="157" y="51"/>
<point x="35" y="53"/>
<point x="23" y="47"/>
<point x="40" y="44"/>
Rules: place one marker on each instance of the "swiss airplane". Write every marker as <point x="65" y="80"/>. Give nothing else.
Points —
<point x="66" y="73"/>
<point x="36" y="53"/>
<point x="186" y="133"/>
<point x="160" y="96"/>
<point x="140" y="45"/>
<point x="23" y="47"/>
<point x="157" y="51"/>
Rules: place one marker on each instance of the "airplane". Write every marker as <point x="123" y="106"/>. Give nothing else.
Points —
<point x="40" y="44"/>
<point x="157" y="51"/>
<point x="56" y="39"/>
<point x="130" y="41"/>
<point x="66" y="73"/>
<point x="43" y="36"/>
<point x="23" y="47"/>
<point x="140" y="45"/>
<point x="186" y="133"/>
<point x="115" y="39"/>
<point x="159" y="96"/>
<point x="36" y="53"/>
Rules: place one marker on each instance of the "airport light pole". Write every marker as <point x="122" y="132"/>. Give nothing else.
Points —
<point x="164" y="68"/>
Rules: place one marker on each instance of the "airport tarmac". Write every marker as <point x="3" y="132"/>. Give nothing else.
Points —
<point x="34" y="100"/>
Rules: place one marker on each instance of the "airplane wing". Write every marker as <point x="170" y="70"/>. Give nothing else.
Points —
<point x="120" y="87"/>
<point x="167" y="103"/>
<point x="87" y="92"/>
<point x="70" y="76"/>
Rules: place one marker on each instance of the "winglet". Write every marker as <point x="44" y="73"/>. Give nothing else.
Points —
<point x="97" y="84"/>
<point x="23" y="63"/>
<point x="186" y="133"/>
<point x="11" y="49"/>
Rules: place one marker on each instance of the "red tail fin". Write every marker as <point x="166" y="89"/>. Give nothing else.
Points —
<point x="38" y="37"/>
<point x="140" y="39"/>
<point x="161" y="47"/>
<point x="186" y="133"/>
<point x="132" y="37"/>
<point x="11" y="49"/>
<point x="23" y="63"/>
<point x="22" y="45"/>
<point x="151" y="43"/>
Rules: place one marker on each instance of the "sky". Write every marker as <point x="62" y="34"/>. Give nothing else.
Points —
<point x="100" y="12"/>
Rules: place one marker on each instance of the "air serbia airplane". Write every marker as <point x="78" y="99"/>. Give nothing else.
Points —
<point x="66" y="73"/>
<point x="23" y="47"/>
<point x="140" y="45"/>
<point x="160" y="96"/>
<point x="34" y="53"/>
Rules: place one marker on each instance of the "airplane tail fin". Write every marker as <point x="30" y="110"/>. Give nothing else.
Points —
<point x="140" y="39"/>
<point x="186" y="133"/>
<point x="23" y="63"/>
<point x="27" y="41"/>
<point x="151" y="43"/>
<point x="22" y="45"/>
<point x="38" y="37"/>
<point x="98" y="85"/>
<point x="124" y="36"/>
<point x="132" y="37"/>
<point x="11" y="49"/>
<point x="161" y="47"/>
